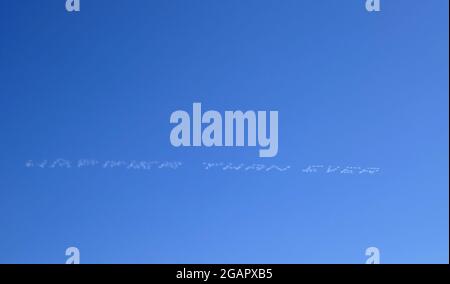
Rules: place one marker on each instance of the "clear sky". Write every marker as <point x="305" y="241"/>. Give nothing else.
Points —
<point x="353" y="89"/>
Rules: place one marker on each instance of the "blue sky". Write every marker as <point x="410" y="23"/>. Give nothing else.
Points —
<point x="352" y="89"/>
